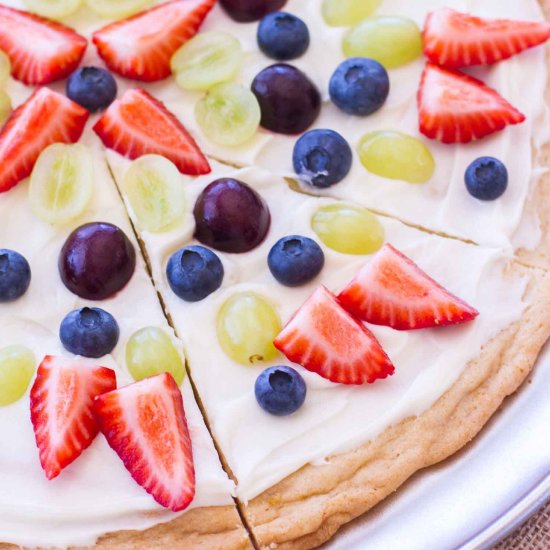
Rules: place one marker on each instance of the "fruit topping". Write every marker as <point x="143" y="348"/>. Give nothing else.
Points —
<point x="207" y="59"/>
<point x="194" y="272"/>
<point x="62" y="398"/>
<point x="156" y="192"/>
<point x="454" y="39"/>
<point x="228" y="114"/>
<point x="486" y="178"/>
<point x="231" y="216"/>
<point x="17" y="366"/>
<point x="141" y="46"/>
<point x="62" y="183"/>
<point x="144" y="423"/>
<point x="282" y="36"/>
<point x="324" y="338"/>
<point x="246" y="326"/>
<point x="96" y="261"/>
<point x="280" y="390"/>
<point x="289" y="101"/>
<point x="46" y="117"/>
<point x="457" y="108"/>
<point x="90" y="332"/>
<point x="396" y="156"/>
<point x="390" y="40"/>
<point x="5" y="107"/>
<point x="15" y="275"/>
<point x="344" y="13"/>
<point x="295" y="260"/>
<point x="53" y="9"/>
<point x="138" y="124"/>
<point x="5" y="69"/>
<point x="118" y="9"/>
<point x="93" y="88"/>
<point x="245" y="11"/>
<point x="40" y="50"/>
<point x="392" y="290"/>
<point x="150" y="351"/>
<point x="348" y="229"/>
<point x="322" y="158"/>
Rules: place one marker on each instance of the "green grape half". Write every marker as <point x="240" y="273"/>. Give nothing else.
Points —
<point x="396" y="156"/>
<point x="53" y="9"/>
<point x="344" y="13"/>
<point x="150" y="351"/>
<point x="247" y="324"/>
<point x="116" y="9"/>
<point x="5" y="107"/>
<point x="17" y="367"/>
<point x="5" y="69"/>
<point x="348" y="229"/>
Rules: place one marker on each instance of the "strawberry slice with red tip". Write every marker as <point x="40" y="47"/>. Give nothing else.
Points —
<point x="46" y="117"/>
<point x="145" y="425"/>
<point x="392" y="290"/>
<point x="454" y="39"/>
<point x="141" y="46"/>
<point x="62" y="399"/>
<point x="457" y="108"/>
<point x="138" y="124"/>
<point x="40" y="50"/>
<point x="324" y="338"/>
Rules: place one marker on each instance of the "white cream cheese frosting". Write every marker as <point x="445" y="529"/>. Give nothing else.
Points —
<point x="335" y="417"/>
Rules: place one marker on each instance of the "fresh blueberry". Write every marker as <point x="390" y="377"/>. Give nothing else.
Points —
<point x="280" y="390"/>
<point x="282" y="36"/>
<point x="486" y="178"/>
<point x="359" y="86"/>
<point x="194" y="272"/>
<point x="90" y="332"/>
<point x="92" y="87"/>
<point x="322" y="158"/>
<point x="15" y="275"/>
<point x="295" y="260"/>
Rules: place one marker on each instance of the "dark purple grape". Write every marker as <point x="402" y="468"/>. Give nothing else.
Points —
<point x="231" y="217"/>
<point x="288" y="100"/>
<point x="96" y="261"/>
<point x="245" y="11"/>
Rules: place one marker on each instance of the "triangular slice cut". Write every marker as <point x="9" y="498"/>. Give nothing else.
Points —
<point x="392" y="290"/>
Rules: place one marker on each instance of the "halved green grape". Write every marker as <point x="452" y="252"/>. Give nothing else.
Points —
<point x="392" y="41"/>
<point x="344" y="13"/>
<point x="348" y="229"/>
<point x="53" y="9"/>
<point x="150" y="351"/>
<point x="61" y="183"/>
<point x="116" y="9"/>
<point x="5" y="69"/>
<point x="17" y="366"/>
<point x="396" y="156"/>
<point x="247" y="324"/>
<point x="156" y="192"/>
<point x="229" y="114"/>
<point x="5" y="107"/>
<point x="209" y="58"/>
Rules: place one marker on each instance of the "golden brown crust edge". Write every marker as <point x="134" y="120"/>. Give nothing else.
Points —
<point x="308" y="507"/>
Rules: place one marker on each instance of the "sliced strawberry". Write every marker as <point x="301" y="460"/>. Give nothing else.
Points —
<point x="457" y="108"/>
<point x="392" y="290"/>
<point x="62" y="398"/>
<point x="138" y="124"/>
<point x="324" y="338"/>
<point x="40" y="50"/>
<point x="145" y="425"/>
<point x="46" y="117"/>
<point x="141" y="46"/>
<point x="454" y="39"/>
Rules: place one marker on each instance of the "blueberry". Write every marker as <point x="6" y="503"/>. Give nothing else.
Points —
<point x="295" y="260"/>
<point x="15" y="275"/>
<point x="486" y="178"/>
<point x="194" y="272"/>
<point x="92" y="87"/>
<point x="90" y="332"/>
<point x="280" y="390"/>
<point x="282" y="36"/>
<point x="359" y="86"/>
<point x="322" y="158"/>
